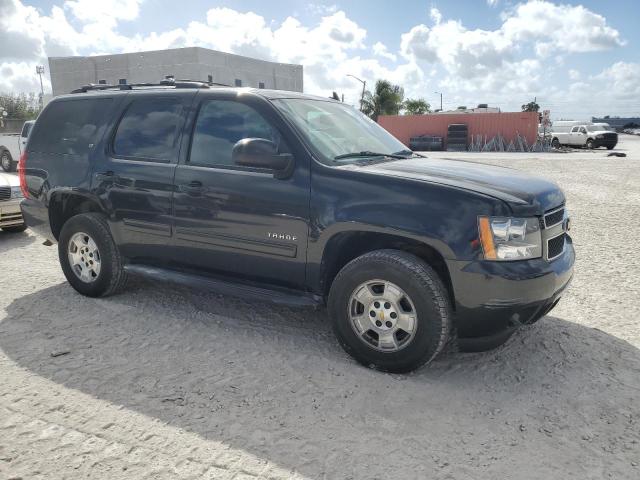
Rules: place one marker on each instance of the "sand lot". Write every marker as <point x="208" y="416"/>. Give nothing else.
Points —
<point x="161" y="382"/>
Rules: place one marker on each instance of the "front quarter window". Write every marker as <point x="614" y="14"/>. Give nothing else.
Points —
<point x="334" y="129"/>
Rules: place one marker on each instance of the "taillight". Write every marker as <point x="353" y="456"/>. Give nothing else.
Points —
<point x="22" y="167"/>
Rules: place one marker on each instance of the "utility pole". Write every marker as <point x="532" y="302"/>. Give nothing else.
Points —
<point x="364" y="86"/>
<point x="40" y="72"/>
<point x="439" y="93"/>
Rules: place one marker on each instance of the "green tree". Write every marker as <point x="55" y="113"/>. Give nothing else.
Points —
<point x="386" y="99"/>
<point x="20" y="106"/>
<point x="416" y="106"/>
<point x="531" y="107"/>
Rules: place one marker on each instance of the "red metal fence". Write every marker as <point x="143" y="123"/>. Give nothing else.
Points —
<point x="508" y="124"/>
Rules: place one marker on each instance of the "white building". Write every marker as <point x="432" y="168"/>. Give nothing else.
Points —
<point x="194" y="63"/>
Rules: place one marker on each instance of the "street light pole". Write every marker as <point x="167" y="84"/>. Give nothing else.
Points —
<point x="40" y="72"/>
<point x="364" y="85"/>
<point x="439" y="93"/>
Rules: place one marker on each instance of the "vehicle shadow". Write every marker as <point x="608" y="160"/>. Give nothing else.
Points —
<point x="225" y="369"/>
<point x="11" y="240"/>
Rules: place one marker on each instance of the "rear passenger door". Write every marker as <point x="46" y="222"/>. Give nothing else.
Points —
<point x="134" y="178"/>
<point x="240" y="220"/>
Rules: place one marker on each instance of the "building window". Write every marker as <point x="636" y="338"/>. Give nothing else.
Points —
<point x="210" y="78"/>
<point x="238" y="82"/>
<point x="261" y="85"/>
<point x="102" y="82"/>
<point x="122" y="81"/>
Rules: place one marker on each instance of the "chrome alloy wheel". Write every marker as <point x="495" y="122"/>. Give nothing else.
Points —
<point x="5" y="162"/>
<point x="84" y="257"/>
<point x="382" y="315"/>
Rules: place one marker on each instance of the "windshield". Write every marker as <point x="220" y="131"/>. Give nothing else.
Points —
<point x="334" y="129"/>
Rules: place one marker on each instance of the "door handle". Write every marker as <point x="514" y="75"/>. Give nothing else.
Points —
<point x="192" y="187"/>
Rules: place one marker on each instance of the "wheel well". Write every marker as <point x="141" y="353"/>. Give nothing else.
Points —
<point x="344" y="247"/>
<point x="63" y="206"/>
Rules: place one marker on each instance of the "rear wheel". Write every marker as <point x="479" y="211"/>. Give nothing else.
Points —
<point x="6" y="161"/>
<point x="590" y="144"/>
<point x="89" y="256"/>
<point x="555" y="143"/>
<point x="390" y="311"/>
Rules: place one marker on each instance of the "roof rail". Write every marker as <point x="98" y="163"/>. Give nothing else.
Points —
<point x="168" y="81"/>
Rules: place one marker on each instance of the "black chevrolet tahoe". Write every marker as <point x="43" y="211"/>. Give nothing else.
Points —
<point x="284" y="197"/>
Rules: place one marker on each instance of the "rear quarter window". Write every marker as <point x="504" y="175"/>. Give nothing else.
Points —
<point x="69" y="127"/>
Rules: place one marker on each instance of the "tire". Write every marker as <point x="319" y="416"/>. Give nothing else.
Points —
<point x="15" y="229"/>
<point x="555" y="143"/>
<point x="111" y="276"/>
<point x="425" y="297"/>
<point x="589" y="144"/>
<point x="6" y="162"/>
<point x="610" y="147"/>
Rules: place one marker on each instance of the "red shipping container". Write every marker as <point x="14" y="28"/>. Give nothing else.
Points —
<point x="507" y="124"/>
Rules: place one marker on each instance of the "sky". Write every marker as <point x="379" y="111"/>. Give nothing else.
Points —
<point x="576" y="58"/>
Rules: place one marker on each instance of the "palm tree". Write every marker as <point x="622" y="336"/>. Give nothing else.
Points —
<point x="386" y="100"/>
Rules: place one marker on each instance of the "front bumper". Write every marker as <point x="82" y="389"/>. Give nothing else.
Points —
<point x="494" y="297"/>
<point x="10" y="214"/>
<point x="605" y="142"/>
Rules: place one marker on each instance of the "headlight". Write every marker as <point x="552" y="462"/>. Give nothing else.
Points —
<point x="16" y="192"/>
<point x="505" y="238"/>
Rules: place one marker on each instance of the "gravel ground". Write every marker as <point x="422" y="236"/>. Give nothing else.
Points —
<point x="164" y="382"/>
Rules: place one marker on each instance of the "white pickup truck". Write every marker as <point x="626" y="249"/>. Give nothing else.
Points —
<point x="12" y="145"/>
<point x="590" y="136"/>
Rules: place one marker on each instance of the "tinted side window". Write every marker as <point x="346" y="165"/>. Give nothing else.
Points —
<point x="69" y="127"/>
<point x="149" y="129"/>
<point x="26" y="129"/>
<point x="220" y="124"/>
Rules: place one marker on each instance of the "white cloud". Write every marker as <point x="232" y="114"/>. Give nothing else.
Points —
<point x="435" y="15"/>
<point x="623" y="80"/>
<point x="508" y="64"/>
<point x="104" y="10"/>
<point x="559" y="28"/>
<point x="492" y="3"/>
<point x="380" y="49"/>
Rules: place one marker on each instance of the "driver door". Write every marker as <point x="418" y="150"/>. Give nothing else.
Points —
<point x="237" y="220"/>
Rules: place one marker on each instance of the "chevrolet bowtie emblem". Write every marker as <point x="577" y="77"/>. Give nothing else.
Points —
<point x="381" y="315"/>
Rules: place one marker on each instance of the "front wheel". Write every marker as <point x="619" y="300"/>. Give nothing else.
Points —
<point x="390" y="311"/>
<point x="6" y="162"/>
<point x="89" y="256"/>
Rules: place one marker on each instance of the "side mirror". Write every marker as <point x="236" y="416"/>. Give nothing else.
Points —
<point x="260" y="153"/>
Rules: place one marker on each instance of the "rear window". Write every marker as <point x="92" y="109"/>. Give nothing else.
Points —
<point x="69" y="127"/>
<point x="149" y="129"/>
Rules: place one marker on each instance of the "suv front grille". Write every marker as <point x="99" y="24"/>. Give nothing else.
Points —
<point x="555" y="246"/>
<point x="554" y="217"/>
<point x="5" y="193"/>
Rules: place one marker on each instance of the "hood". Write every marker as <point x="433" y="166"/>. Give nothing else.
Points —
<point x="523" y="192"/>
<point x="7" y="180"/>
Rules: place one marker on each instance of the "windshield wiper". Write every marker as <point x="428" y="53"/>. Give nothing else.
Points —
<point x="367" y="153"/>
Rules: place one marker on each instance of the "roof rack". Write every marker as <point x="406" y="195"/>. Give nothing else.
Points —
<point x="168" y="81"/>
